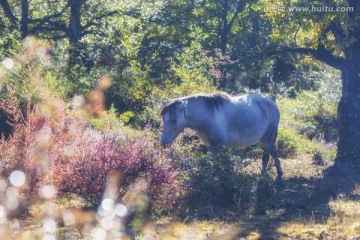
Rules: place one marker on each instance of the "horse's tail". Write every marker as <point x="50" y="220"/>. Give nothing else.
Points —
<point x="275" y="138"/>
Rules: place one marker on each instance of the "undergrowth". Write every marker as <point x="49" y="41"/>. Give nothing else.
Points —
<point x="59" y="147"/>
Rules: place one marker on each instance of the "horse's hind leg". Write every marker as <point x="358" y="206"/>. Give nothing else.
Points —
<point x="265" y="160"/>
<point x="268" y="144"/>
<point x="274" y="154"/>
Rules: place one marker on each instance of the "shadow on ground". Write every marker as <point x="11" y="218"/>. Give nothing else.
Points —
<point x="297" y="199"/>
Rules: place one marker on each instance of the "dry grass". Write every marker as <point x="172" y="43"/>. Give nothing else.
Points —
<point x="344" y="223"/>
<point x="302" y="167"/>
<point x="167" y="228"/>
<point x="302" y="210"/>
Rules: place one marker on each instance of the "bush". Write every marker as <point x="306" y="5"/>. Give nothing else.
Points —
<point x="21" y="149"/>
<point x="34" y="74"/>
<point x="59" y="147"/>
<point x="310" y="116"/>
<point x="212" y="181"/>
<point x="291" y="144"/>
<point x="91" y="157"/>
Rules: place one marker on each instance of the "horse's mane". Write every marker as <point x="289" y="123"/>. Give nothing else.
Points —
<point x="212" y="101"/>
<point x="169" y="104"/>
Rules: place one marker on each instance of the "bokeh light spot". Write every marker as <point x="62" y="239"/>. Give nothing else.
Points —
<point x="107" y="204"/>
<point x="69" y="218"/>
<point x="2" y="214"/>
<point x="47" y="191"/>
<point x="8" y="63"/>
<point x="121" y="210"/>
<point x="99" y="233"/>
<point x="17" y="178"/>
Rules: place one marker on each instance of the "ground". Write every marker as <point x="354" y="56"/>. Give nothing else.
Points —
<point x="315" y="201"/>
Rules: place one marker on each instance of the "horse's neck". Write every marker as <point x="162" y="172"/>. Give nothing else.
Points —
<point x="195" y="115"/>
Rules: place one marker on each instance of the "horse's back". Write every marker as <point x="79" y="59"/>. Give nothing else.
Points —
<point x="250" y="117"/>
<point x="267" y="106"/>
<point x="256" y="106"/>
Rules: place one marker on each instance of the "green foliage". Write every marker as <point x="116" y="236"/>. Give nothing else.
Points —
<point x="291" y="144"/>
<point x="305" y="75"/>
<point x="126" y="116"/>
<point x="330" y="87"/>
<point x="309" y="116"/>
<point x="156" y="50"/>
<point x="36" y="78"/>
<point x="9" y="43"/>
<point x="192" y="70"/>
<point x="108" y="121"/>
<point x="308" y="125"/>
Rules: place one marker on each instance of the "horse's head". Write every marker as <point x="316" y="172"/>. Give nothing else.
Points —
<point x="174" y="121"/>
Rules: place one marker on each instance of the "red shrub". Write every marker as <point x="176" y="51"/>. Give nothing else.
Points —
<point x="53" y="146"/>
<point x="21" y="150"/>
<point x="90" y="157"/>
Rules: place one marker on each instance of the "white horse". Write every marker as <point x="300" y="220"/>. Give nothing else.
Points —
<point x="220" y="119"/>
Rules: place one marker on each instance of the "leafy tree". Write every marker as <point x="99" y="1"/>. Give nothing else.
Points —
<point x="222" y="21"/>
<point x="67" y="19"/>
<point x="243" y="35"/>
<point x="332" y="37"/>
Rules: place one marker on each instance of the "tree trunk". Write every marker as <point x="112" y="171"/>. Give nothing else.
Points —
<point x="75" y="32"/>
<point x="349" y="105"/>
<point x="24" y="23"/>
<point x="349" y="119"/>
<point x="75" y="28"/>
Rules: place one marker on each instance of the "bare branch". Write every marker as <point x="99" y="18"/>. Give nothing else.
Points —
<point x="320" y="54"/>
<point x="239" y="9"/>
<point x="93" y="21"/>
<point x="8" y="12"/>
<point x="47" y="19"/>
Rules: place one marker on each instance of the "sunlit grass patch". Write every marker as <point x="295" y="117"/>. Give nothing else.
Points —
<point x="343" y="224"/>
<point x="303" y="166"/>
<point x="346" y="208"/>
<point x="167" y="228"/>
<point x="345" y="218"/>
<point x="301" y="231"/>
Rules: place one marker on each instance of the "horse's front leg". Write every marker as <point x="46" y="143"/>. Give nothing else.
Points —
<point x="217" y="140"/>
